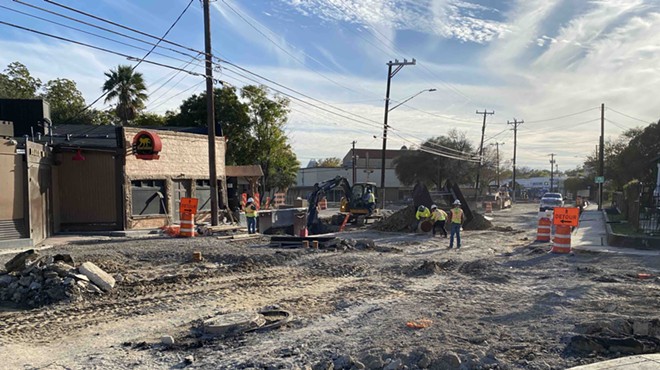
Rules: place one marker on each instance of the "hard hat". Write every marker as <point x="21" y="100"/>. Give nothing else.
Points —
<point x="457" y="202"/>
<point x="434" y="206"/>
<point x="250" y="200"/>
<point x="368" y="190"/>
<point x="421" y="208"/>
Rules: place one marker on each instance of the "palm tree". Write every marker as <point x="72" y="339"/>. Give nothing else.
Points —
<point x="128" y="89"/>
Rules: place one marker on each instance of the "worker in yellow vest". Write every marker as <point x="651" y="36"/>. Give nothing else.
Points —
<point x="438" y="217"/>
<point x="251" y="215"/>
<point x="456" y="221"/>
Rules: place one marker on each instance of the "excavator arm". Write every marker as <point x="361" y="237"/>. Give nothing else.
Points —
<point x="313" y="222"/>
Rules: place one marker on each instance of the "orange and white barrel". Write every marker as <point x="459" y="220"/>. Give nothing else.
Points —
<point x="544" y="229"/>
<point x="489" y="207"/>
<point x="561" y="243"/>
<point x="187" y="229"/>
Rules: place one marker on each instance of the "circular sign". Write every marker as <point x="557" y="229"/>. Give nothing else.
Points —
<point x="147" y="145"/>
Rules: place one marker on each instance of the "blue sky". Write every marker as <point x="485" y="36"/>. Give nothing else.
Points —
<point x="548" y="62"/>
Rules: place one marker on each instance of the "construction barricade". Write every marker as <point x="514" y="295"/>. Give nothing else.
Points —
<point x="544" y="229"/>
<point x="489" y="207"/>
<point x="561" y="243"/>
<point x="187" y="212"/>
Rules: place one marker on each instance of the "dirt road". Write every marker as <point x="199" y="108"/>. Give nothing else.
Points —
<point x="501" y="302"/>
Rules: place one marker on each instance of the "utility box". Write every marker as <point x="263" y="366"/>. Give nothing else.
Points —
<point x="265" y="221"/>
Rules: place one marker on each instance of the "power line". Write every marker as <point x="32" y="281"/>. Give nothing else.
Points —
<point x="629" y="116"/>
<point x="240" y="15"/>
<point x="175" y="95"/>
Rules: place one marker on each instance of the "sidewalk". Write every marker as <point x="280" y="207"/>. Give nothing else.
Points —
<point x="590" y="236"/>
<point x="639" y="362"/>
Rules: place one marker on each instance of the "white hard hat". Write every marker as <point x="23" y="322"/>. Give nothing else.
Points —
<point x="434" y="206"/>
<point x="250" y="200"/>
<point x="457" y="202"/>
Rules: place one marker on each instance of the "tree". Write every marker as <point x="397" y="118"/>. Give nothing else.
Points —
<point x="415" y="165"/>
<point x="128" y="89"/>
<point x="270" y="148"/>
<point x="332" y="162"/>
<point x="231" y="117"/>
<point x="67" y="104"/>
<point x="17" y="83"/>
<point x="149" y="119"/>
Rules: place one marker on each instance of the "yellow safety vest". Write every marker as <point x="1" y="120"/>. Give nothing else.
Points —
<point x="251" y="211"/>
<point x="439" y="215"/>
<point x="372" y="198"/>
<point x="457" y="215"/>
<point x="425" y="214"/>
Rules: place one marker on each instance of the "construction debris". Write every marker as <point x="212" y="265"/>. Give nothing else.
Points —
<point x="44" y="280"/>
<point x="245" y="321"/>
<point x="404" y="221"/>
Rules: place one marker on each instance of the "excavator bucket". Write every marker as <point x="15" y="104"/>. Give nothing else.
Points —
<point x="449" y="193"/>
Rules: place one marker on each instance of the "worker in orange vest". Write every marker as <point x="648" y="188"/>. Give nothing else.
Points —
<point x="456" y="220"/>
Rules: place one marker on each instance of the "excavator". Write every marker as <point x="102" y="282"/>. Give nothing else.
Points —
<point x="353" y="205"/>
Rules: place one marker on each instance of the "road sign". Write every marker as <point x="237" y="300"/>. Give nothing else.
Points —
<point x="567" y="216"/>
<point x="599" y="179"/>
<point x="188" y="205"/>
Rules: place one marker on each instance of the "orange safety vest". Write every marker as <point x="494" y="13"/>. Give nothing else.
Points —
<point x="457" y="215"/>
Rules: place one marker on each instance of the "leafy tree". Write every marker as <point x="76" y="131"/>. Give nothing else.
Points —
<point x="332" y="162"/>
<point x="427" y="168"/>
<point x="101" y="117"/>
<point x="17" y="83"/>
<point x="149" y="119"/>
<point x="128" y="89"/>
<point x="66" y="102"/>
<point x="231" y="116"/>
<point x="617" y="171"/>
<point x="268" y="117"/>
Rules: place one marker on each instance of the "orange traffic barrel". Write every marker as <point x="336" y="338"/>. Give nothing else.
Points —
<point x="489" y="207"/>
<point x="561" y="243"/>
<point x="543" y="230"/>
<point x="187" y="229"/>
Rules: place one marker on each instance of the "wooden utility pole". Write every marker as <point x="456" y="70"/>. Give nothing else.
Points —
<point x="601" y="156"/>
<point x="210" y="115"/>
<point x="481" y="153"/>
<point x="497" y="160"/>
<point x="390" y="74"/>
<point x="515" y="124"/>
<point x="552" y="168"/>
<point x="353" y="160"/>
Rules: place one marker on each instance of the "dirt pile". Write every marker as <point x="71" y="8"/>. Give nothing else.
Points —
<point x="399" y="221"/>
<point x="478" y="222"/>
<point x="485" y="270"/>
<point x="628" y="337"/>
<point x="33" y="280"/>
<point x="434" y="267"/>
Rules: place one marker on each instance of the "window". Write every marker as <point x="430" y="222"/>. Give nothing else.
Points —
<point x="203" y="194"/>
<point x="148" y="197"/>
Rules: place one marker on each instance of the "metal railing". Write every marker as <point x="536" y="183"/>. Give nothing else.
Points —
<point x="649" y="214"/>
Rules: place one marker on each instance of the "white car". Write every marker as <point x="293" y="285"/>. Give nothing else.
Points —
<point x="551" y="200"/>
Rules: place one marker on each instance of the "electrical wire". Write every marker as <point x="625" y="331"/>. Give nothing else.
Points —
<point x="175" y="95"/>
<point x="629" y="116"/>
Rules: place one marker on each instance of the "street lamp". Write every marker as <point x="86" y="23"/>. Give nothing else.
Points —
<point x="410" y="98"/>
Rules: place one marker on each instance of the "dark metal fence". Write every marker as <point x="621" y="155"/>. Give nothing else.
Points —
<point x="649" y="212"/>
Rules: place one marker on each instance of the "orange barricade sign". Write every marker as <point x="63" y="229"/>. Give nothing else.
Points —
<point x="257" y="200"/>
<point x="566" y="216"/>
<point x="188" y="205"/>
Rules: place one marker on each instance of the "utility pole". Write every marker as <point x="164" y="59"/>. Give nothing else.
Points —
<point x="390" y="74"/>
<point x="210" y="115"/>
<point x="552" y="167"/>
<point x="481" y="153"/>
<point x="353" y="161"/>
<point x="497" y="160"/>
<point x="601" y="155"/>
<point x="515" y="124"/>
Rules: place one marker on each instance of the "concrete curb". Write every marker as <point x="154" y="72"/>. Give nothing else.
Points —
<point x="629" y="241"/>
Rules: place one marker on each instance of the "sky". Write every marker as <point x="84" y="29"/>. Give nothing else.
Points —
<point x="548" y="63"/>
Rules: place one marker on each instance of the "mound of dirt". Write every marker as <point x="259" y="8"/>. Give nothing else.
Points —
<point x="485" y="270"/>
<point x="478" y="222"/>
<point x="399" y="221"/>
<point x="434" y="267"/>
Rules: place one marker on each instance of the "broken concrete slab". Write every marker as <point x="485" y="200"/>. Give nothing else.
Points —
<point x="97" y="276"/>
<point x="18" y="263"/>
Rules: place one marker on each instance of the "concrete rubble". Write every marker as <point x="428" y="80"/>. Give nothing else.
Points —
<point x="34" y="280"/>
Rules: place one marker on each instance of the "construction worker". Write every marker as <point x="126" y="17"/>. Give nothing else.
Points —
<point x="422" y="214"/>
<point x="438" y="217"/>
<point x="456" y="220"/>
<point x="251" y="215"/>
<point x="371" y="201"/>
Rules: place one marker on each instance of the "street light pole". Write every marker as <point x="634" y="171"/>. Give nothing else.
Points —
<point x="390" y="74"/>
<point x="497" y="161"/>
